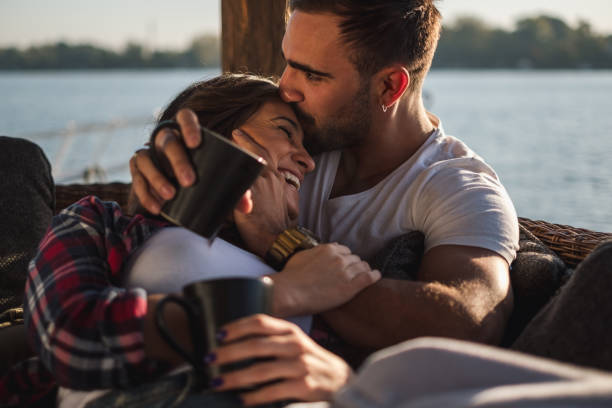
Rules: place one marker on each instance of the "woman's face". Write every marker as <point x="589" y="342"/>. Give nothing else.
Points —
<point x="275" y="128"/>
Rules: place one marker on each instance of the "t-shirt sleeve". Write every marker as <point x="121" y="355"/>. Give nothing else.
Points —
<point x="462" y="202"/>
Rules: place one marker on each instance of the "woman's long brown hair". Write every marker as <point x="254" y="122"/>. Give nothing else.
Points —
<point x="225" y="102"/>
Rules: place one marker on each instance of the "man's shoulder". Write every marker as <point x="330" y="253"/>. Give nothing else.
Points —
<point x="441" y="147"/>
<point x="446" y="155"/>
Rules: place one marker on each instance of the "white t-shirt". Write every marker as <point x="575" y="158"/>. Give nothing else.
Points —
<point x="444" y="190"/>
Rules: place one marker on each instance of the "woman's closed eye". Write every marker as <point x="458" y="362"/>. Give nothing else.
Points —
<point x="286" y="131"/>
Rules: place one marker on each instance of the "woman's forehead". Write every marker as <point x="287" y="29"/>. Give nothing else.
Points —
<point x="277" y="109"/>
<point x="277" y="106"/>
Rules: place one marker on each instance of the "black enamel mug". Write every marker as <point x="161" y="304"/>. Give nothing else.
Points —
<point x="224" y="171"/>
<point x="210" y="305"/>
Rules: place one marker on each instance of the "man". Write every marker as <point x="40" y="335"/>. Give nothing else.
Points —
<point x="354" y="73"/>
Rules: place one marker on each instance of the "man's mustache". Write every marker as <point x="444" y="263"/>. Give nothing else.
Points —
<point x="306" y="120"/>
<point x="312" y="142"/>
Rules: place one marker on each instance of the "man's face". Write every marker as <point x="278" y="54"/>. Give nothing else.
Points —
<point x="332" y="100"/>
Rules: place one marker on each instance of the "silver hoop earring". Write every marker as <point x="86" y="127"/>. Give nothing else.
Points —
<point x="384" y="108"/>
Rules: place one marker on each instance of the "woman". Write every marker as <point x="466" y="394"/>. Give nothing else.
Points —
<point x="92" y="332"/>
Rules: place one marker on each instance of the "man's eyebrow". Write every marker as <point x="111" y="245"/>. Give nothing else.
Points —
<point x="287" y="119"/>
<point x="306" y="68"/>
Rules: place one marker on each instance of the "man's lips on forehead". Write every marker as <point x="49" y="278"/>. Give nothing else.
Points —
<point x="303" y="117"/>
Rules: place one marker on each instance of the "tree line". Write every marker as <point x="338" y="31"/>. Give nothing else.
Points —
<point x="203" y="51"/>
<point x="540" y="42"/>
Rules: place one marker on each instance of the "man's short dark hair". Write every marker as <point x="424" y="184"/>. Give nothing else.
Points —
<point x="384" y="32"/>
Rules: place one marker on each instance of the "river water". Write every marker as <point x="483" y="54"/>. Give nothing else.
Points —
<point x="547" y="133"/>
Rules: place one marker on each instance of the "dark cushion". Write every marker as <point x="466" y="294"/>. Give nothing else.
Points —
<point x="26" y="207"/>
<point x="536" y="275"/>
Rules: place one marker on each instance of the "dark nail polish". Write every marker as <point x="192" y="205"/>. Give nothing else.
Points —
<point x="216" y="382"/>
<point x="210" y="357"/>
<point x="221" y="334"/>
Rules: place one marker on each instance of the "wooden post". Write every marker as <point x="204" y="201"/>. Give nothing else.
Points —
<point x="251" y="36"/>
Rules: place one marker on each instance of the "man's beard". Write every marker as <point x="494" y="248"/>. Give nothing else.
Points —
<point x="345" y="128"/>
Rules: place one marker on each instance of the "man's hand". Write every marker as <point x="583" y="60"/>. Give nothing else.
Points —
<point x="320" y="279"/>
<point x="150" y="186"/>
<point x="300" y="368"/>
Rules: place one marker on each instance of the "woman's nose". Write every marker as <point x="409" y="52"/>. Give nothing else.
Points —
<point x="303" y="159"/>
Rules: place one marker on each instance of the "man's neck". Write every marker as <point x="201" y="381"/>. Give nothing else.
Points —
<point x="394" y="137"/>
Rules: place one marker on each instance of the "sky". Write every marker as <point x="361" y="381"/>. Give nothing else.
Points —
<point x="163" y="24"/>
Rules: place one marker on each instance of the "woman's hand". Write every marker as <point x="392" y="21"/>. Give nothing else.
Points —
<point x="299" y="369"/>
<point x="320" y="279"/>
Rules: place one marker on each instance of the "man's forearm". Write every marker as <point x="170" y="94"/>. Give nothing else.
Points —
<point x="393" y="311"/>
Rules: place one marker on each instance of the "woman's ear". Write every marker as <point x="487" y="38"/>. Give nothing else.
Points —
<point x="245" y="205"/>
<point x="394" y="82"/>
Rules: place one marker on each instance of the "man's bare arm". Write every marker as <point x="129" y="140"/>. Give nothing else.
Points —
<point x="462" y="292"/>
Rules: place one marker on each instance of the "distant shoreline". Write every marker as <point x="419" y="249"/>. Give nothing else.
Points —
<point x="537" y="43"/>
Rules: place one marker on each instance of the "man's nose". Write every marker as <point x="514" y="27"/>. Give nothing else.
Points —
<point x="288" y="86"/>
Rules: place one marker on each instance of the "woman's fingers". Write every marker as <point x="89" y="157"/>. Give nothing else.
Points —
<point x="259" y="336"/>
<point x="261" y="373"/>
<point x="300" y="389"/>
<point x="256" y="325"/>
<point x="264" y="346"/>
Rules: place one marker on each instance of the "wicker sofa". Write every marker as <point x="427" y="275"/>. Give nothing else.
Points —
<point x="570" y="243"/>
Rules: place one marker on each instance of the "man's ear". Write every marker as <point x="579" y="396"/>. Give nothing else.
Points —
<point x="394" y="82"/>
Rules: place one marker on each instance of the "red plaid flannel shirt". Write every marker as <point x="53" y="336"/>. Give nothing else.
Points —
<point x="86" y="328"/>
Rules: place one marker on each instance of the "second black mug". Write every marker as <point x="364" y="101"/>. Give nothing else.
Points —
<point x="209" y="305"/>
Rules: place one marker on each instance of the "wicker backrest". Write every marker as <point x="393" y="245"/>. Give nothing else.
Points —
<point x="66" y="194"/>
<point x="570" y="243"/>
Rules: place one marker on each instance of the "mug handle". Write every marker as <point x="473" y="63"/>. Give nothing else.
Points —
<point x="196" y="331"/>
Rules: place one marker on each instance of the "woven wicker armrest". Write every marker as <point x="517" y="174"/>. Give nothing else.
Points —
<point x="66" y="194"/>
<point x="570" y="243"/>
